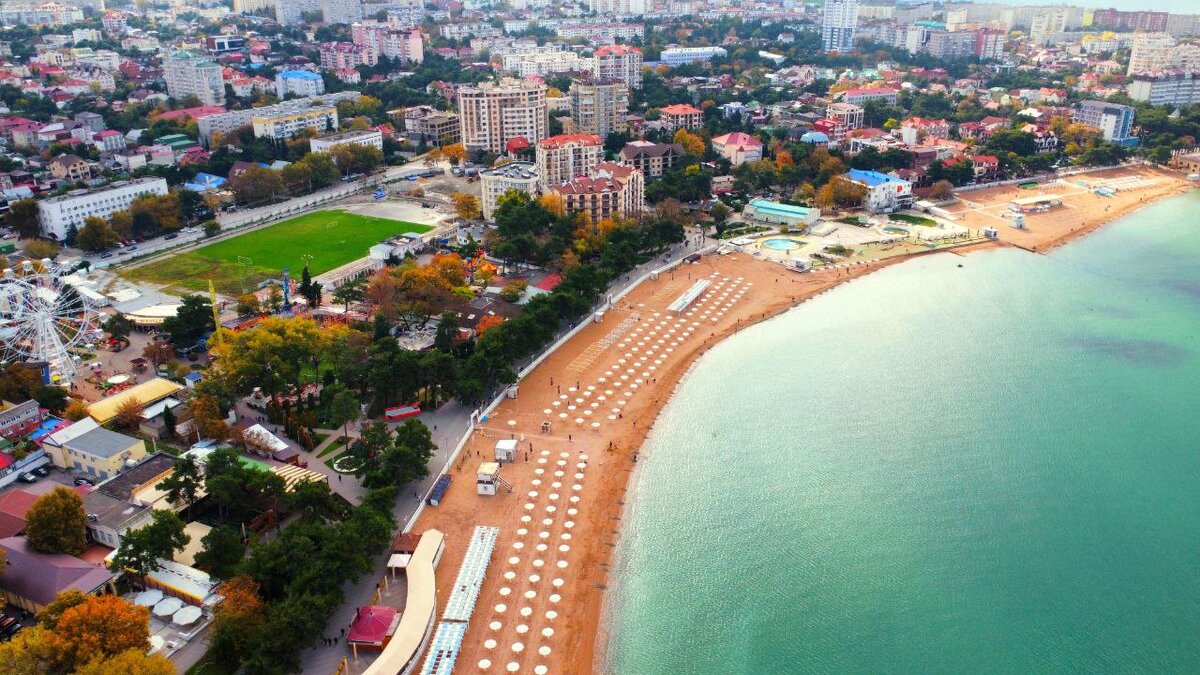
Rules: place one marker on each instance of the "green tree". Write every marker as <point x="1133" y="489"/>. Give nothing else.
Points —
<point x="96" y="235"/>
<point x="118" y="326"/>
<point x="344" y="409"/>
<point x="221" y="551"/>
<point x="314" y="501"/>
<point x="309" y="289"/>
<point x="56" y="523"/>
<point x="141" y="549"/>
<point x="351" y="291"/>
<point x="23" y="217"/>
<point x="258" y="185"/>
<point x="447" y="330"/>
<point x="185" y="483"/>
<point x="169" y="422"/>
<point x="211" y="228"/>
<point x="193" y="319"/>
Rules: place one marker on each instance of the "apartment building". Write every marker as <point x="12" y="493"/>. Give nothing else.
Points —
<point x="498" y="181"/>
<point x="839" y="21"/>
<point x="619" y="62"/>
<point x="989" y="44"/>
<point x="299" y="82"/>
<point x="545" y="63"/>
<point x="341" y="55"/>
<point x="1174" y="88"/>
<point x="492" y="115"/>
<point x="370" y="137"/>
<point x="652" y="159"/>
<point x="561" y="158"/>
<point x="187" y="73"/>
<point x="601" y="31"/>
<point x="427" y="124"/>
<point x="599" y="106"/>
<point x="404" y="45"/>
<point x="612" y="190"/>
<point x="223" y="123"/>
<point x="1112" y="120"/>
<point x="58" y="214"/>
<point x="681" y="116"/>
<point x="341" y="11"/>
<point x="677" y="56"/>
<point x="292" y="11"/>
<point x="277" y="126"/>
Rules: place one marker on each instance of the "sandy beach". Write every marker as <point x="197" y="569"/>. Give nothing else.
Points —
<point x="539" y="610"/>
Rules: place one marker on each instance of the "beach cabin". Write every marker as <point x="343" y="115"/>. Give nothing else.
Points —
<point x="488" y="480"/>
<point x="506" y="450"/>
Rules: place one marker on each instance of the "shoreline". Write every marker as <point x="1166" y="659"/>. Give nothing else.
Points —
<point x="578" y="604"/>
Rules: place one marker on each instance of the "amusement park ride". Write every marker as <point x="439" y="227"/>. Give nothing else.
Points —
<point x="43" y="318"/>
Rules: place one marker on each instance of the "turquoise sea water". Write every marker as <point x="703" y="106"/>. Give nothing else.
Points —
<point x="936" y="469"/>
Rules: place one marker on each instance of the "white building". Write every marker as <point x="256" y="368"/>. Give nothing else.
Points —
<point x="495" y="182"/>
<point x="1174" y="88"/>
<point x="883" y="192"/>
<point x="618" y="7"/>
<point x="1150" y="52"/>
<point x="186" y="74"/>
<point x="544" y="63"/>
<point x="292" y="11"/>
<point x="677" y="56"/>
<point x="839" y="20"/>
<point x="492" y="115"/>
<point x="299" y="82"/>
<point x="341" y="11"/>
<point x="58" y="214"/>
<point x="619" y="62"/>
<point x="369" y="137"/>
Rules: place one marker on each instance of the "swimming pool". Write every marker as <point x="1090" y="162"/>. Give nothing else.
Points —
<point x="782" y="244"/>
<point x="896" y="230"/>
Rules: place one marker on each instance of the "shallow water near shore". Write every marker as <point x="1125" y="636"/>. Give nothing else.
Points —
<point x="985" y="468"/>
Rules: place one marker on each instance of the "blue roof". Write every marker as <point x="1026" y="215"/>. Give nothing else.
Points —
<point x="203" y="182"/>
<point x="299" y="75"/>
<point x="814" y="137"/>
<point x="871" y="178"/>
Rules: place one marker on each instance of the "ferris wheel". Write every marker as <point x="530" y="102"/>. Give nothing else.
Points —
<point x="43" y="318"/>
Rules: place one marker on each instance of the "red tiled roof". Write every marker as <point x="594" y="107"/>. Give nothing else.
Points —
<point x="561" y="140"/>
<point x="549" y="282"/>
<point x="680" y="109"/>
<point x="738" y="139"/>
<point x="617" y="49"/>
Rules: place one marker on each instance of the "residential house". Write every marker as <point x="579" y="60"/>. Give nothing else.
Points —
<point x="652" y="159"/>
<point x="738" y="148"/>
<point x="70" y="168"/>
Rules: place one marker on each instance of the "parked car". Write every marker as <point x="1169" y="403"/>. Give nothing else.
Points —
<point x="108" y="255"/>
<point x="171" y="236"/>
<point x="83" y="481"/>
<point x="42" y="471"/>
<point x="28" y="477"/>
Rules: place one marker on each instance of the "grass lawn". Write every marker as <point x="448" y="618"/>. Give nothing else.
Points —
<point x="334" y="448"/>
<point x="333" y="238"/>
<point x="913" y="220"/>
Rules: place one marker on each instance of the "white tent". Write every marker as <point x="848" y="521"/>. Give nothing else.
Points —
<point x="168" y="607"/>
<point x="186" y="616"/>
<point x="148" y="598"/>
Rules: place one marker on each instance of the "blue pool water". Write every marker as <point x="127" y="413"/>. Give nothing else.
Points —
<point x="783" y="244"/>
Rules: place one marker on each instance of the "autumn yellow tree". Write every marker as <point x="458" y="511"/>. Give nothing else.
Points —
<point x="129" y="662"/>
<point x="129" y="414"/>
<point x="98" y="628"/>
<point x="237" y="621"/>
<point x="692" y="143"/>
<point x="553" y="202"/>
<point x="783" y="160"/>
<point x="466" y="206"/>
<point x="455" y="152"/>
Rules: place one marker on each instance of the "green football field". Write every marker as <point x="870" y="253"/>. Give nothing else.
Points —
<point x="332" y="238"/>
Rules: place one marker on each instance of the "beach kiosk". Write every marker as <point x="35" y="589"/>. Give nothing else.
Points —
<point x="506" y="450"/>
<point x="488" y="480"/>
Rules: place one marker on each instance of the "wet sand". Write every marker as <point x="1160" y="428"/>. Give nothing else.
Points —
<point x="540" y="607"/>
